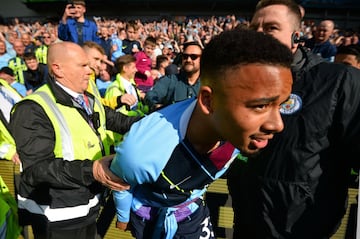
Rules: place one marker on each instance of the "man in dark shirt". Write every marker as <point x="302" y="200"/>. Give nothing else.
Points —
<point x="130" y="44"/>
<point x="36" y="73"/>
<point x="178" y="87"/>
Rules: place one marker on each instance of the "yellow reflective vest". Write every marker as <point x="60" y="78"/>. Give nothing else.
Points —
<point x="41" y="54"/>
<point x="17" y="64"/>
<point x="117" y="88"/>
<point x="7" y="142"/>
<point x="75" y="138"/>
<point x="92" y="88"/>
<point x="9" y="225"/>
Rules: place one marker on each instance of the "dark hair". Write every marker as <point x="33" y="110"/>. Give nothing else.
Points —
<point x="293" y="7"/>
<point x="123" y="60"/>
<point x="238" y="47"/>
<point x="132" y="24"/>
<point x="151" y="41"/>
<point x="29" y="56"/>
<point x="191" y="43"/>
<point x="160" y="59"/>
<point x="352" y="49"/>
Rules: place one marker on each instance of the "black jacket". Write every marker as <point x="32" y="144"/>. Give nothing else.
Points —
<point x="297" y="186"/>
<point x="46" y="179"/>
<point x="35" y="79"/>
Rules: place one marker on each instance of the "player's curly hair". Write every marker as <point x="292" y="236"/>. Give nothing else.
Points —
<point x="237" y="47"/>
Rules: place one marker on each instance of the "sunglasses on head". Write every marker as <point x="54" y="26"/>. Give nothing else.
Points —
<point x="192" y="56"/>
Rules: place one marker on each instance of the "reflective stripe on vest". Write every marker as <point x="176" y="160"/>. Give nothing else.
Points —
<point x="69" y="149"/>
<point x="18" y="66"/>
<point x="57" y="214"/>
<point x="7" y="143"/>
<point x="41" y="54"/>
<point x="78" y="128"/>
<point x="66" y="140"/>
<point x="117" y="88"/>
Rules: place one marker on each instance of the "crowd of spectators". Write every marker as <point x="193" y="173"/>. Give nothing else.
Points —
<point x="170" y="36"/>
<point x="140" y="53"/>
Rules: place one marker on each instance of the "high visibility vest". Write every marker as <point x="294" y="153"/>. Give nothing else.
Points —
<point x="71" y="128"/>
<point x="75" y="139"/>
<point x="9" y="224"/>
<point x="7" y="142"/>
<point x="18" y="65"/>
<point x="117" y="88"/>
<point x="92" y="88"/>
<point x="41" y="54"/>
<point x="112" y="103"/>
<point x="9" y="87"/>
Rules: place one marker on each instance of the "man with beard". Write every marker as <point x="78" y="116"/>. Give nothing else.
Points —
<point x="177" y="87"/>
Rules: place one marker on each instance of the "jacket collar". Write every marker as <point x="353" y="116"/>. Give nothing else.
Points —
<point x="61" y="96"/>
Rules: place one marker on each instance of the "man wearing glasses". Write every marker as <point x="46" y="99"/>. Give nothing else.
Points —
<point x="41" y="51"/>
<point x="177" y="87"/>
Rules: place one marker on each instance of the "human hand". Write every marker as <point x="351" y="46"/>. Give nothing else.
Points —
<point x="122" y="225"/>
<point x="147" y="73"/>
<point x="29" y="92"/>
<point x="114" y="47"/>
<point x="135" y="49"/>
<point x="142" y="94"/>
<point x="107" y="61"/>
<point x="103" y="174"/>
<point x="128" y="99"/>
<point x="69" y="10"/>
<point x="15" y="158"/>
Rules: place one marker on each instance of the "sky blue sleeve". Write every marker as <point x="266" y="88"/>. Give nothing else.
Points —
<point x="122" y="200"/>
<point x="141" y="156"/>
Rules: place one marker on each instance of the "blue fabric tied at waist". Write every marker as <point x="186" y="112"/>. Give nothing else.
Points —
<point x="167" y="218"/>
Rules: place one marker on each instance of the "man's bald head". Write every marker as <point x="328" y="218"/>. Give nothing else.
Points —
<point x="324" y="31"/>
<point x="69" y="64"/>
<point x="61" y="52"/>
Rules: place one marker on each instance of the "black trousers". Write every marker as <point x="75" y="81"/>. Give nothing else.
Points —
<point x="106" y="216"/>
<point x="43" y="229"/>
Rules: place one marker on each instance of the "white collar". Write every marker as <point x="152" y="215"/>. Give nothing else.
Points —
<point x="67" y="90"/>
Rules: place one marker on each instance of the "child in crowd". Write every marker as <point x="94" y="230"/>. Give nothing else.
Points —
<point x="36" y="73"/>
<point x="143" y="78"/>
<point x="124" y="86"/>
<point x="130" y="44"/>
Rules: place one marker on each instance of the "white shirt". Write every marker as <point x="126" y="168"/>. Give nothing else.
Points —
<point x="130" y="89"/>
<point x="7" y="101"/>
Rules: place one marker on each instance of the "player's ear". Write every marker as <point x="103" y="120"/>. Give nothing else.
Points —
<point x="205" y="99"/>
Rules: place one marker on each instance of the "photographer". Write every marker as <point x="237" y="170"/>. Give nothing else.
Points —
<point x="75" y="27"/>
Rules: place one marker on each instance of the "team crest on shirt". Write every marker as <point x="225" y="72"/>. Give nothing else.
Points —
<point x="292" y="105"/>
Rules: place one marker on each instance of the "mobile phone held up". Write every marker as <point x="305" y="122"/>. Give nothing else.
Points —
<point x="71" y="8"/>
<point x="72" y="4"/>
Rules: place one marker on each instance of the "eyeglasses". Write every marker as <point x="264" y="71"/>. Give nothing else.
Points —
<point x="46" y="37"/>
<point x="192" y="56"/>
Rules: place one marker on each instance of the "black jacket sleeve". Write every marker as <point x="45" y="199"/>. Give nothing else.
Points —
<point x="118" y="122"/>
